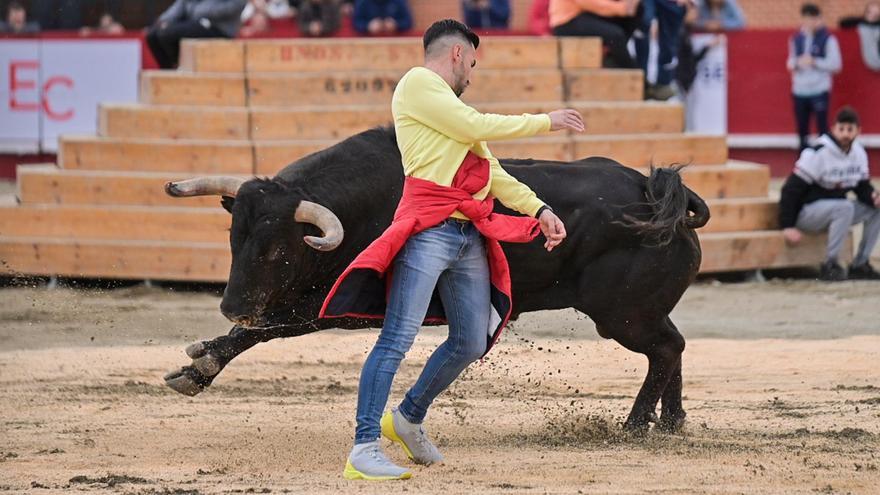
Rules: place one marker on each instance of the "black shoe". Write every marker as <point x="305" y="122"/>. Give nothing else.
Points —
<point x="830" y="271"/>
<point x="863" y="272"/>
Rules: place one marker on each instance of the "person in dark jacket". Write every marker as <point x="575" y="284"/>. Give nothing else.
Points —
<point x="16" y="20"/>
<point x="382" y="16"/>
<point x="814" y="198"/>
<point x="868" y="27"/>
<point x="192" y="19"/>
<point x="319" y="17"/>
<point x="483" y="14"/>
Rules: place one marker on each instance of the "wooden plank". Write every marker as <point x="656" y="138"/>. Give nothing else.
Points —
<point x="155" y="155"/>
<point x="580" y="53"/>
<point x="50" y="185"/>
<point x="317" y="122"/>
<point x="172" y="122"/>
<point x="324" y="55"/>
<point x="742" y="214"/>
<point x="161" y="87"/>
<point x="517" y="52"/>
<point x="659" y="149"/>
<point x="630" y="117"/>
<point x="735" y="251"/>
<point x="541" y="148"/>
<point x="211" y="55"/>
<point x="95" y="258"/>
<point x="132" y="223"/>
<point x="272" y="156"/>
<point x="734" y="180"/>
<point x="604" y="85"/>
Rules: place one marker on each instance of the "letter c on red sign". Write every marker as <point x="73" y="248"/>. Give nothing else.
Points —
<point x="65" y="81"/>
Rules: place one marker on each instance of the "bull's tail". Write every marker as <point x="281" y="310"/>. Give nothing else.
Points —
<point x="673" y="207"/>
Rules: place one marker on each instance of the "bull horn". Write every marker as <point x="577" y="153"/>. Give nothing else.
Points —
<point x="205" y="186"/>
<point x="324" y="219"/>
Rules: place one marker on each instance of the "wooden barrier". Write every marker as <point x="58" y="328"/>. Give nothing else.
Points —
<point x="155" y="155"/>
<point x="160" y="87"/>
<point x="174" y="122"/>
<point x="212" y="55"/>
<point x="733" y="251"/>
<point x="603" y="85"/>
<point x="580" y="53"/>
<point x="660" y="149"/>
<point x="734" y="180"/>
<point x="742" y="214"/>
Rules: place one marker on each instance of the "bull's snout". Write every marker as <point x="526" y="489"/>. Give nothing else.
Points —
<point x="236" y="314"/>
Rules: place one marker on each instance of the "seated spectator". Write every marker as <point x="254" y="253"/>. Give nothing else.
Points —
<point x="381" y="16"/>
<point x="869" y="34"/>
<point x="319" y="17"/>
<point x="813" y="59"/>
<point x="106" y="25"/>
<point x="257" y="13"/>
<point x="192" y="19"/>
<point x="814" y="198"/>
<point x="612" y="20"/>
<point x="486" y="14"/>
<point x="719" y="15"/>
<point x="58" y="14"/>
<point x="539" y="18"/>
<point x="16" y="20"/>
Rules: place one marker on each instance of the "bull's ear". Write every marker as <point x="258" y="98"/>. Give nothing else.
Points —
<point x="227" y="202"/>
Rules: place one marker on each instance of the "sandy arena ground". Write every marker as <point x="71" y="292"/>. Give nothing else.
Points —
<point x="782" y="385"/>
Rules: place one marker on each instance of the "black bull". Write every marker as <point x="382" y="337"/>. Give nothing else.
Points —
<point x="630" y="254"/>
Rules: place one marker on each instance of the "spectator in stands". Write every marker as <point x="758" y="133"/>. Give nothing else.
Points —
<point x="539" y="18"/>
<point x="814" y="198"/>
<point x="192" y="19"/>
<point x="106" y="25"/>
<point x="58" y="14"/>
<point x="16" y="20"/>
<point x="319" y="17"/>
<point x="486" y="14"/>
<point x="382" y="16"/>
<point x="719" y="15"/>
<point x="612" y="20"/>
<point x="869" y="34"/>
<point x="669" y="15"/>
<point x="257" y="14"/>
<point x="813" y="59"/>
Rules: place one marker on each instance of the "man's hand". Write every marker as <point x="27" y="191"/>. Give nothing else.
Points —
<point x="792" y="235"/>
<point x="805" y="61"/>
<point x="876" y="197"/>
<point x="631" y="7"/>
<point x="552" y="228"/>
<point x="566" y="119"/>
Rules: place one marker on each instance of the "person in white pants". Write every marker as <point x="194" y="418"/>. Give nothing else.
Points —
<point x="814" y="198"/>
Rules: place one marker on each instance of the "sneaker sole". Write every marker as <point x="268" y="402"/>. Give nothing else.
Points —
<point x="351" y="473"/>
<point x="387" y="426"/>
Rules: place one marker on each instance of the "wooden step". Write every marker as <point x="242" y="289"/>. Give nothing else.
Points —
<point x="659" y="149"/>
<point x="733" y="180"/>
<point x="50" y="185"/>
<point x="175" y="122"/>
<point x="211" y="55"/>
<point x="272" y="156"/>
<point x="131" y="223"/>
<point x="742" y="214"/>
<point x="162" y="87"/>
<point x="209" y="262"/>
<point x="580" y="53"/>
<point x="155" y="155"/>
<point x="630" y="117"/>
<point x="737" y="251"/>
<point x="113" y="259"/>
<point x="604" y="85"/>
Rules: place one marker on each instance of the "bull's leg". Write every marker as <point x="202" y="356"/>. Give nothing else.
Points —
<point x="209" y="357"/>
<point x="663" y="345"/>
<point x="672" y="415"/>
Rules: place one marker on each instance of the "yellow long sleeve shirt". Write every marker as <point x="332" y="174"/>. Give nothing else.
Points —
<point x="435" y="130"/>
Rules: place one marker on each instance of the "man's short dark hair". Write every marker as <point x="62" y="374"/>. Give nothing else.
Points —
<point x="448" y="27"/>
<point x="14" y="5"/>
<point x="810" y="10"/>
<point x="847" y="115"/>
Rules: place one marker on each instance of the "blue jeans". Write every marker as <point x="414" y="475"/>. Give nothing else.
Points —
<point x="803" y="107"/>
<point x="670" y="17"/>
<point x="451" y="257"/>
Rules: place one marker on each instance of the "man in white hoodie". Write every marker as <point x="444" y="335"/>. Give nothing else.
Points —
<point x="814" y="198"/>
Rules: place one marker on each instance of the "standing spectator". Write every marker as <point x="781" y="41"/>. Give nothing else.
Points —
<point x="319" y="17"/>
<point x="869" y="34"/>
<point x="720" y="15"/>
<point x="192" y="19"/>
<point x="483" y="14"/>
<point x="106" y="25"/>
<point x="58" y="14"/>
<point x="382" y="16"/>
<point x="814" y="198"/>
<point x="612" y="20"/>
<point x="813" y="58"/>
<point x="16" y="20"/>
<point x="539" y="18"/>
<point x="670" y="17"/>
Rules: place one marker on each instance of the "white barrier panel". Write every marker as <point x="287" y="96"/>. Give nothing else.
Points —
<point x="53" y="87"/>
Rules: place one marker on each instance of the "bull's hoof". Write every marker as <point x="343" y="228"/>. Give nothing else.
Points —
<point x="206" y="363"/>
<point x="640" y="424"/>
<point x="185" y="381"/>
<point x="671" y="423"/>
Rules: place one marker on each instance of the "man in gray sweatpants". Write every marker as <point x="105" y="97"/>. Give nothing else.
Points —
<point x="814" y="198"/>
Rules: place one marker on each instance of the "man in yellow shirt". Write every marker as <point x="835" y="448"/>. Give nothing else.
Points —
<point x="436" y="131"/>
